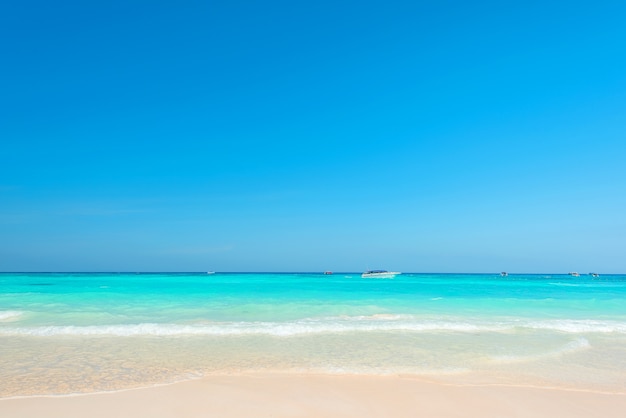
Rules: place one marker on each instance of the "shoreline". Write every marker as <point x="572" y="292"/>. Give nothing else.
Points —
<point x="314" y="395"/>
<point x="304" y="375"/>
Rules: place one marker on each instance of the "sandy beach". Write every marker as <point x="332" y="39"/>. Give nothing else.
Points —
<point x="287" y="395"/>
<point x="290" y="345"/>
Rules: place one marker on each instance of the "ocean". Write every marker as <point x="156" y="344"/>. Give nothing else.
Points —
<point x="66" y="333"/>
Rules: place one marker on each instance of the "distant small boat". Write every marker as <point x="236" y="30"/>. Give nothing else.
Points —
<point x="380" y="274"/>
<point x="594" y="274"/>
<point x="574" y="274"/>
<point x="210" y="272"/>
<point x="328" y="272"/>
<point x="504" y="274"/>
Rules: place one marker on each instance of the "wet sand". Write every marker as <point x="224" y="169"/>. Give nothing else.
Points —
<point x="291" y="395"/>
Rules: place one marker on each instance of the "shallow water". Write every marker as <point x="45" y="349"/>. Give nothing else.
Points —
<point x="67" y="333"/>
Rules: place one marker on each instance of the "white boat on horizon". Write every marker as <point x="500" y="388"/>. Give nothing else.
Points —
<point x="379" y="274"/>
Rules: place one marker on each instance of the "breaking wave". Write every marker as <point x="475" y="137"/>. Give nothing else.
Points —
<point x="9" y="316"/>
<point x="330" y="325"/>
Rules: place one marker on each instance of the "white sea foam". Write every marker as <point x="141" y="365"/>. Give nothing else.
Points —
<point x="375" y="323"/>
<point x="10" y="316"/>
<point x="334" y="324"/>
<point x="579" y="326"/>
<point x="281" y="329"/>
<point x="374" y="317"/>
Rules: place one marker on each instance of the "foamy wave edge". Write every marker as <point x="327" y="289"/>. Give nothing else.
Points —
<point x="303" y="327"/>
<point x="579" y="344"/>
<point x="8" y="316"/>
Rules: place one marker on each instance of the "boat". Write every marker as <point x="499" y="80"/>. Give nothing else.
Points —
<point x="210" y="272"/>
<point x="504" y="274"/>
<point x="574" y="274"/>
<point x="328" y="272"/>
<point x="379" y="274"/>
<point x="594" y="274"/>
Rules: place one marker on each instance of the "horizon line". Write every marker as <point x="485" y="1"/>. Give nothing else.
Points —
<point x="284" y="272"/>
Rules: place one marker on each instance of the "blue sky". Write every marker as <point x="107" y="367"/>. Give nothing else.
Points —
<point x="446" y="136"/>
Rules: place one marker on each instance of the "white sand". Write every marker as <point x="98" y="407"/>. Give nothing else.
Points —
<point x="322" y="396"/>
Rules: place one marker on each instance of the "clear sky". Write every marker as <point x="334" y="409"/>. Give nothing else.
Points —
<point x="420" y="136"/>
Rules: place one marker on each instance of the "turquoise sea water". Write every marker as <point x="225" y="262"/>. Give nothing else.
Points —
<point x="65" y="333"/>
